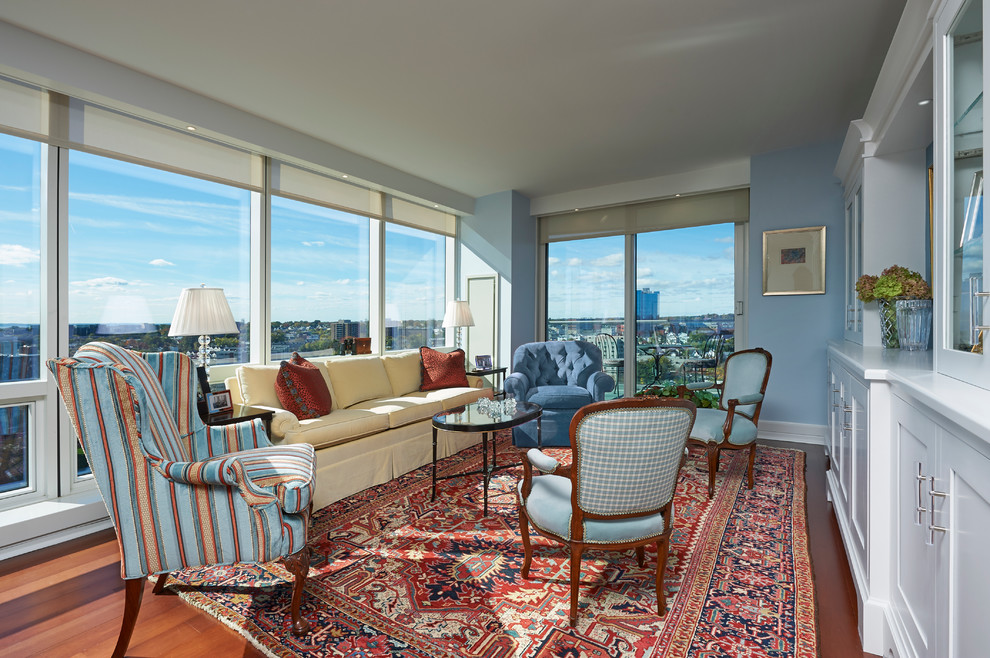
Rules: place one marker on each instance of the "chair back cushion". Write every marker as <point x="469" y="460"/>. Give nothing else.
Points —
<point x="176" y="375"/>
<point x="628" y="455"/>
<point x="403" y="370"/>
<point x="164" y="440"/>
<point x="557" y="363"/>
<point x="746" y="373"/>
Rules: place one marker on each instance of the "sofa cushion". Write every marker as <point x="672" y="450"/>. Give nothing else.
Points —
<point x="402" y="410"/>
<point x="339" y="426"/>
<point x="560" y="397"/>
<point x="455" y="397"/>
<point x="257" y="385"/>
<point x="442" y="369"/>
<point x="403" y="370"/>
<point x="301" y="388"/>
<point x="358" y="378"/>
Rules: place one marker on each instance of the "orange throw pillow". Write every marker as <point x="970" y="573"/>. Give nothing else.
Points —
<point x="442" y="369"/>
<point x="301" y="389"/>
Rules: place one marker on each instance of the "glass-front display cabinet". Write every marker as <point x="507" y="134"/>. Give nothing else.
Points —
<point x="961" y="276"/>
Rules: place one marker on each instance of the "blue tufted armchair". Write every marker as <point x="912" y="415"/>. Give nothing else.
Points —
<point x="561" y="377"/>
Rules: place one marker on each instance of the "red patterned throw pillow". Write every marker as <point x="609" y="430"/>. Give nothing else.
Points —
<point x="301" y="388"/>
<point x="442" y="369"/>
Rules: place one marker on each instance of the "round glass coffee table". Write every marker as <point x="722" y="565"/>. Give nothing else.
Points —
<point x="472" y="419"/>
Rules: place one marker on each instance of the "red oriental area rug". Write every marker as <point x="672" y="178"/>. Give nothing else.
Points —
<point x="396" y="575"/>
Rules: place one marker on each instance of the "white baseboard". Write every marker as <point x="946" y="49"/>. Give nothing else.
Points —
<point x="775" y="430"/>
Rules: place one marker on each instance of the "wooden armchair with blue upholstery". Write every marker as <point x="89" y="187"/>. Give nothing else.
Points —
<point x="733" y="426"/>
<point x="618" y="492"/>
<point x="181" y="494"/>
<point x="561" y="377"/>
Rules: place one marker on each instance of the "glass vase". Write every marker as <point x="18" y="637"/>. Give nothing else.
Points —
<point x="888" y="324"/>
<point x="914" y="323"/>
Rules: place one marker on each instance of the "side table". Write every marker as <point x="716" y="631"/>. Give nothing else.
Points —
<point x="498" y="375"/>
<point x="470" y="418"/>
<point x="240" y="413"/>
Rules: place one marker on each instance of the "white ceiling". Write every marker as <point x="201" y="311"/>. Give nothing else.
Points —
<point x="539" y="96"/>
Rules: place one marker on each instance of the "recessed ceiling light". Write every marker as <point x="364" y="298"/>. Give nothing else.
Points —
<point x="436" y="205"/>
<point x="924" y="102"/>
<point x="191" y="128"/>
<point x="576" y="209"/>
<point x="677" y="195"/>
<point x="343" y="175"/>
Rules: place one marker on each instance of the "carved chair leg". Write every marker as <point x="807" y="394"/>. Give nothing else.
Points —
<point x="133" y="593"/>
<point x="640" y="555"/>
<point x="752" y="457"/>
<point x="663" y="547"/>
<point x="576" y="550"/>
<point x="160" y="583"/>
<point x="298" y="566"/>
<point x="527" y="548"/>
<point x="712" y="467"/>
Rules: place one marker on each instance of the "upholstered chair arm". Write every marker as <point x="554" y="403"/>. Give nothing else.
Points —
<point x="599" y="384"/>
<point x="222" y="471"/>
<point x="752" y="398"/>
<point x="543" y="463"/>
<point x="517" y="385"/>
<point x="694" y="386"/>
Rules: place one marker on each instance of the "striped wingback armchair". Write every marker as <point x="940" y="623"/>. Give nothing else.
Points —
<point x="182" y="494"/>
<point x="618" y="492"/>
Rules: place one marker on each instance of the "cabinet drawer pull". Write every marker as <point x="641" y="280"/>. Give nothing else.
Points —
<point x="847" y="428"/>
<point x="981" y="294"/>
<point x="920" y="508"/>
<point x="932" y="494"/>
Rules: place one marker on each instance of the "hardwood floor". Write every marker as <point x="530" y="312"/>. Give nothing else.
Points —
<point x="67" y="600"/>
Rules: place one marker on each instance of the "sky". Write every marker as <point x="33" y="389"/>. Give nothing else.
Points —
<point x="693" y="269"/>
<point x="137" y="236"/>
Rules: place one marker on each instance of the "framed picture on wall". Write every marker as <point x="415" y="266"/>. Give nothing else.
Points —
<point x="794" y="261"/>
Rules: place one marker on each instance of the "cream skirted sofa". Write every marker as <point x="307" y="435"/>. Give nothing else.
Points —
<point x="379" y="426"/>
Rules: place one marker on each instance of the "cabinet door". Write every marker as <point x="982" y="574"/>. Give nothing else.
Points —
<point x="857" y="424"/>
<point x="913" y="570"/>
<point x="961" y="316"/>
<point x="963" y="576"/>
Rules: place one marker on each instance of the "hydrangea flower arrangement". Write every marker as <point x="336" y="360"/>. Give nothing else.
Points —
<point x="893" y="282"/>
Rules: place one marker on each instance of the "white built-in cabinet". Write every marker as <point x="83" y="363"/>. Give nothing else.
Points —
<point x="940" y="583"/>
<point x="909" y="480"/>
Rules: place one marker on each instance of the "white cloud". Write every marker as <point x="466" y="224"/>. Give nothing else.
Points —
<point x="727" y="239"/>
<point x="574" y="262"/>
<point x="314" y="243"/>
<point x="18" y="255"/>
<point x="161" y="262"/>
<point x="553" y="260"/>
<point x="102" y="282"/>
<point x="300" y="283"/>
<point x="611" y="260"/>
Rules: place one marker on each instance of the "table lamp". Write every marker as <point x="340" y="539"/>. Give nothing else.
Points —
<point x="201" y="312"/>
<point x="458" y="315"/>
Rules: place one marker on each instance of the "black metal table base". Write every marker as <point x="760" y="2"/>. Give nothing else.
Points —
<point x="485" y="469"/>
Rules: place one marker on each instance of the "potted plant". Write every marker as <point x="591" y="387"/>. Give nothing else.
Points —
<point x="898" y="283"/>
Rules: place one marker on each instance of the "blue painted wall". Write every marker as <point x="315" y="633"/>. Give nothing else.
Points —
<point x="792" y="189"/>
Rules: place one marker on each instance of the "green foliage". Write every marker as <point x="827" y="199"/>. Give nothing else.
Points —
<point x="705" y="399"/>
<point x="895" y="281"/>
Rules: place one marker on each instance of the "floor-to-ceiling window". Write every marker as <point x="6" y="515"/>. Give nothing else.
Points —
<point x="656" y="285"/>
<point x="685" y="294"/>
<point x="415" y="285"/>
<point x="320" y="291"/>
<point x="137" y="237"/>
<point x="585" y="293"/>
<point x="20" y="310"/>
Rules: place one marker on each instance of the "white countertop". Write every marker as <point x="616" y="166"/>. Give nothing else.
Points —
<point x="964" y="404"/>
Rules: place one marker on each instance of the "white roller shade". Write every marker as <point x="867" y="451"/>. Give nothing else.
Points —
<point x="107" y="132"/>
<point x="695" y="210"/>
<point x="23" y="108"/>
<point x="412" y="214"/>
<point x="296" y="182"/>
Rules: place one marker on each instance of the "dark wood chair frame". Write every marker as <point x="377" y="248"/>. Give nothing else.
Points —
<point x="715" y="448"/>
<point x="576" y="543"/>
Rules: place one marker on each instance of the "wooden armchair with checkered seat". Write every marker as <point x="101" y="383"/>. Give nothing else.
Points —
<point x="618" y="492"/>
<point x="181" y="494"/>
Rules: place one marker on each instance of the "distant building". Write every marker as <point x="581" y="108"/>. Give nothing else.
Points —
<point x="647" y="304"/>
<point x="344" y="328"/>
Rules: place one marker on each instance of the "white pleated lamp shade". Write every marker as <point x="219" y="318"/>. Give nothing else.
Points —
<point x="202" y="311"/>
<point x="458" y="315"/>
